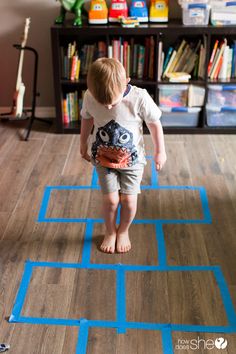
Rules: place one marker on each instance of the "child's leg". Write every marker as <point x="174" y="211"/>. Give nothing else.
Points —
<point x="110" y="206"/>
<point x="128" y="210"/>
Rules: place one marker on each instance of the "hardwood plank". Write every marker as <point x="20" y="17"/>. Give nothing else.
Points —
<point x="16" y="172"/>
<point x="105" y="340"/>
<point x="75" y="290"/>
<point x="187" y="297"/>
<point x="43" y="339"/>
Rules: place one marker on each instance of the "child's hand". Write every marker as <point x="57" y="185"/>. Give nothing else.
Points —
<point x="84" y="152"/>
<point x="160" y="159"/>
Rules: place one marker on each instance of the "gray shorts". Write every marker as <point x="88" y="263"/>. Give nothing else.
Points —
<point x="124" y="180"/>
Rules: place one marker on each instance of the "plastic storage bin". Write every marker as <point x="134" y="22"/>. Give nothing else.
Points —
<point x="195" y="14"/>
<point x="173" y="95"/>
<point x="220" y="116"/>
<point x="223" y="13"/>
<point x="180" y="116"/>
<point x="222" y="95"/>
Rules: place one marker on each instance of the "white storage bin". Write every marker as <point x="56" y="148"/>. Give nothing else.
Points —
<point x="173" y="95"/>
<point x="195" y="14"/>
<point x="221" y="116"/>
<point x="196" y="96"/>
<point x="223" y="13"/>
<point x="222" y="95"/>
<point x="180" y="116"/>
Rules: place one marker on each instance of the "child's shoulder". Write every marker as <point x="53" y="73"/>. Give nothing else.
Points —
<point x="136" y="92"/>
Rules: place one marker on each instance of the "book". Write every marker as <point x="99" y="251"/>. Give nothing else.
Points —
<point x="218" y="59"/>
<point x="178" y="77"/>
<point x="178" y="55"/>
<point x="223" y="71"/>
<point x="141" y="56"/>
<point x="151" y="58"/>
<point x="160" y="46"/>
<point x="229" y="66"/>
<point x="146" y="59"/>
<point x="212" y="57"/>
<point x="168" y="55"/>
<point x="170" y="62"/>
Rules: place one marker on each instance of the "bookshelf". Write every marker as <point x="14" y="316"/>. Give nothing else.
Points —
<point x="62" y="35"/>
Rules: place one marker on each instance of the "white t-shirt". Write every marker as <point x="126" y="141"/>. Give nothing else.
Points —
<point x="118" y="132"/>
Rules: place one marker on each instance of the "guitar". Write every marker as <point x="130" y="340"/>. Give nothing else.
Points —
<point x="18" y="98"/>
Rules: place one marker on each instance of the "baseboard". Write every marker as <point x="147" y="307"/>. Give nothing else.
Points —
<point x="41" y="112"/>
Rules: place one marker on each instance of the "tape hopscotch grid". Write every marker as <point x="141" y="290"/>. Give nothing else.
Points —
<point x="121" y="324"/>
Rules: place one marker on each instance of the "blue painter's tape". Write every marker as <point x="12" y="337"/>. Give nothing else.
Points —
<point x="205" y="205"/>
<point x="81" y="347"/>
<point x="49" y="321"/>
<point x="167" y="340"/>
<point x="20" y="298"/>
<point x="225" y="295"/>
<point x="87" y="243"/>
<point x="120" y="299"/>
<point x="44" y="205"/>
<point x="94" y="181"/>
<point x="76" y="220"/>
<point x="125" y="267"/>
<point x="154" y="174"/>
<point x="161" y="245"/>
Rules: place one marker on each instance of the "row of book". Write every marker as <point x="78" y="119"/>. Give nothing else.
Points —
<point x="222" y="64"/>
<point x="138" y="59"/>
<point x="71" y="106"/>
<point x="185" y="57"/>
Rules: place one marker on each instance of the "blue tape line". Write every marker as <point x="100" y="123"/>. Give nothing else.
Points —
<point x="205" y="205"/>
<point x="48" y="321"/>
<point x="225" y="295"/>
<point x="81" y="347"/>
<point x="94" y="181"/>
<point x="87" y="243"/>
<point x="154" y="174"/>
<point x="44" y="204"/>
<point x="128" y="325"/>
<point x="161" y="245"/>
<point x="120" y="299"/>
<point x="167" y="340"/>
<point x="125" y="267"/>
<point x="20" y="298"/>
<point x="76" y="220"/>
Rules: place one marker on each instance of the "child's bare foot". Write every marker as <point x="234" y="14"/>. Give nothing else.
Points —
<point x="108" y="244"/>
<point x="123" y="243"/>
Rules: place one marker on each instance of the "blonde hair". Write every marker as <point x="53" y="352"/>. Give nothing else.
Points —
<point x="106" y="79"/>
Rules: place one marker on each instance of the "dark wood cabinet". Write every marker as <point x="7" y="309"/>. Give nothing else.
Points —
<point x="167" y="33"/>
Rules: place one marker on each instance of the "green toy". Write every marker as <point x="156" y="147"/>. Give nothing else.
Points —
<point x="73" y="6"/>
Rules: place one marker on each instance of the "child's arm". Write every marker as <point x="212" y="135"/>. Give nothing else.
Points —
<point x="157" y="135"/>
<point x="86" y="128"/>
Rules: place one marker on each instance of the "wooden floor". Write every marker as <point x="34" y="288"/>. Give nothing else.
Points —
<point x="191" y="298"/>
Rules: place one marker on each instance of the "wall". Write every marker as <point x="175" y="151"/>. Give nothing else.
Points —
<point x="42" y="13"/>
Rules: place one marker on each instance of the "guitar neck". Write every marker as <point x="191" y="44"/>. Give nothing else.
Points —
<point x="19" y="72"/>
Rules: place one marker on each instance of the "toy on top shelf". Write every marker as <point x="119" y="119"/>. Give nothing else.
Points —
<point x="129" y="21"/>
<point x="98" y="12"/>
<point x="138" y="8"/>
<point x="158" y="11"/>
<point x="117" y="8"/>
<point x="73" y="6"/>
